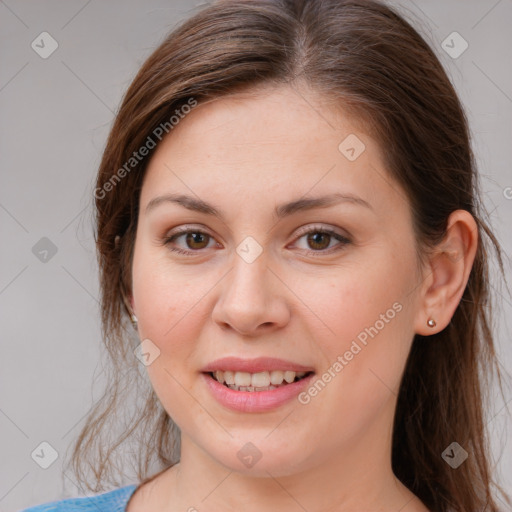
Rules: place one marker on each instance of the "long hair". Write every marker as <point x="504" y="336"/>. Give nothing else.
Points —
<point x="365" y="56"/>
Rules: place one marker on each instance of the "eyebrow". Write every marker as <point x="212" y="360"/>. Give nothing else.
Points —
<point x="280" y="211"/>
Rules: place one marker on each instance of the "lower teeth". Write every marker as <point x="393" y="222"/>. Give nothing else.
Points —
<point x="251" y="388"/>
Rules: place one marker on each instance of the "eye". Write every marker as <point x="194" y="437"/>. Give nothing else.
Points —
<point x="194" y="239"/>
<point x="318" y="238"/>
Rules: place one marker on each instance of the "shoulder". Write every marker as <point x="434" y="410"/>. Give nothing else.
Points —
<point x="113" y="501"/>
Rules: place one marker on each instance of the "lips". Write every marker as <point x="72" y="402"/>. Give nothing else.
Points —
<point x="255" y="396"/>
<point x="256" y="400"/>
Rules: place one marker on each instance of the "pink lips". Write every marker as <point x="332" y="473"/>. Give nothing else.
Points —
<point x="254" y="401"/>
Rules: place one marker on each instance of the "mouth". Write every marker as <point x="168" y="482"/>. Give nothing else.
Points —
<point x="255" y="385"/>
<point x="259" y="381"/>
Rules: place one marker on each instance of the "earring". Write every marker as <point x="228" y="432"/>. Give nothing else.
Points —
<point x="431" y="322"/>
<point x="134" y="320"/>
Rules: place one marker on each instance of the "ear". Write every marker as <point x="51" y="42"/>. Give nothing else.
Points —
<point x="447" y="273"/>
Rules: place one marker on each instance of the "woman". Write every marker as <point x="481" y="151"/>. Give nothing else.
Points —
<point x="288" y="210"/>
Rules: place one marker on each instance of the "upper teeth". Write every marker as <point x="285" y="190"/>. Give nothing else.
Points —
<point x="257" y="380"/>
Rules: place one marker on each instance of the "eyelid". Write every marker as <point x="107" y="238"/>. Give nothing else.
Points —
<point x="300" y="231"/>
<point x="187" y="228"/>
<point x="307" y="228"/>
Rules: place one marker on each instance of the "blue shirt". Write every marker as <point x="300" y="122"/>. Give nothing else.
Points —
<point x="113" y="501"/>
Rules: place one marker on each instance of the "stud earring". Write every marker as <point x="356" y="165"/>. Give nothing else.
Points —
<point x="134" y="320"/>
<point x="431" y="322"/>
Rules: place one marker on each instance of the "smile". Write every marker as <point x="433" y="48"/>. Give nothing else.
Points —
<point x="260" y="381"/>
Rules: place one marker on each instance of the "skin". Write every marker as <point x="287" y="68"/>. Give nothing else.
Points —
<point x="244" y="154"/>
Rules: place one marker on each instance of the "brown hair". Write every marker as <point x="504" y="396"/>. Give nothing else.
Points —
<point x="370" y="60"/>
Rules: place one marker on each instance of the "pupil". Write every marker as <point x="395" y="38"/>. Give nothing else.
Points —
<point x="192" y="238"/>
<point x="321" y="235"/>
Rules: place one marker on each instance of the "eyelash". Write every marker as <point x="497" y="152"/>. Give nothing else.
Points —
<point x="183" y="231"/>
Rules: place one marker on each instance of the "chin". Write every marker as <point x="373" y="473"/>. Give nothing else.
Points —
<point x="260" y="458"/>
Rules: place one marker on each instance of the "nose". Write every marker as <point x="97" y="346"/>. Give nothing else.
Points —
<point x="252" y="299"/>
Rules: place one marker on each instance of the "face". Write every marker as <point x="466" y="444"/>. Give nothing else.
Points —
<point x="330" y="290"/>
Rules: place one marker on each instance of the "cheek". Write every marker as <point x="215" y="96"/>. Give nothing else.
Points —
<point x="367" y="336"/>
<point x="166" y="302"/>
<point x="351" y="299"/>
<point x="162" y="292"/>
<point x="168" y="311"/>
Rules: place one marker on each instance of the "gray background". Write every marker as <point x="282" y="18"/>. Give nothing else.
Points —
<point x="56" y="113"/>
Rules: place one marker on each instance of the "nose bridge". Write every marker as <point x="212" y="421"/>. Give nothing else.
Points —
<point x="250" y="294"/>
<point x="248" y="280"/>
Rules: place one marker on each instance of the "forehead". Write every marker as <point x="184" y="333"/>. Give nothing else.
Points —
<point x="271" y="141"/>
<point x="275" y="118"/>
